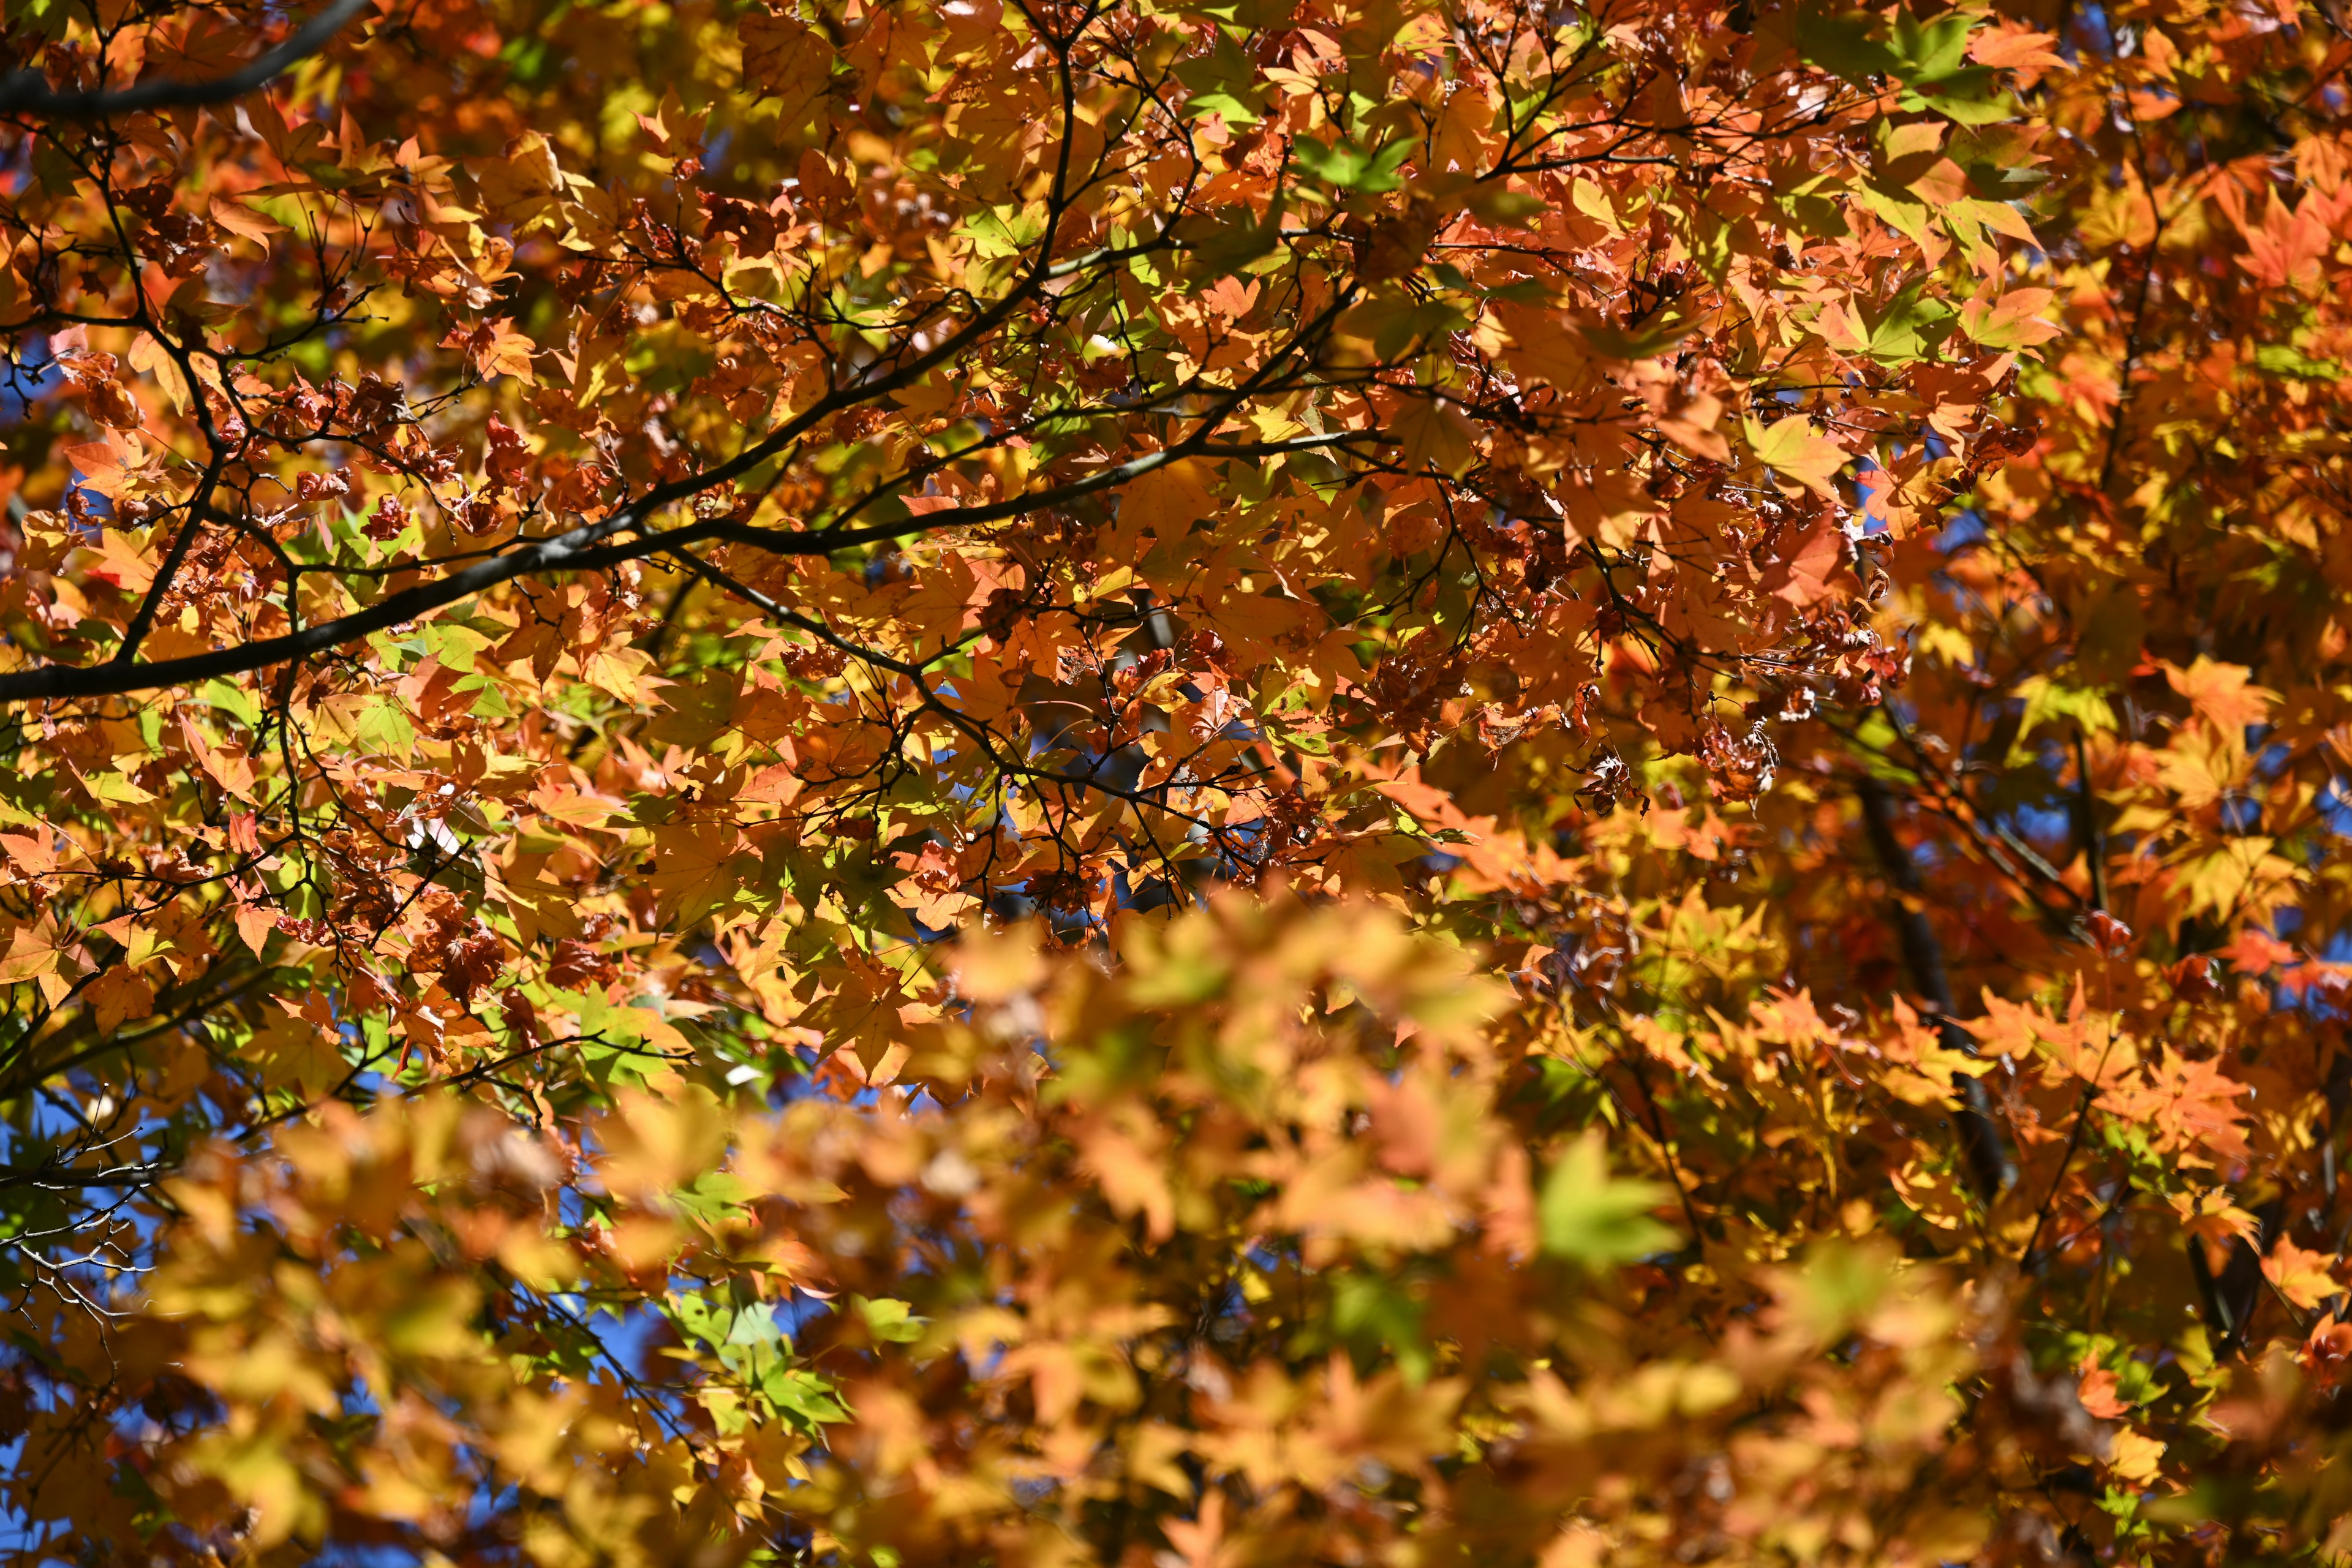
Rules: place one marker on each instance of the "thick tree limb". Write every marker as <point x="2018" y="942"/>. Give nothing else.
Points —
<point x="28" y="92"/>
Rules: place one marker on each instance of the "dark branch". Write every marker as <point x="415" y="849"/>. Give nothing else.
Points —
<point x="583" y="549"/>
<point x="28" y="92"/>
<point x="1991" y="1169"/>
<point x="592" y="547"/>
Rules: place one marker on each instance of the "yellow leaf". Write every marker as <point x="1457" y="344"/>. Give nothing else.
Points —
<point x="1435" y="434"/>
<point x="1793" y="449"/>
<point x="2301" y="1277"/>
<point x="785" y="60"/>
<point x="656" y="1144"/>
<point x="1163" y="504"/>
<point x="2134" y="1455"/>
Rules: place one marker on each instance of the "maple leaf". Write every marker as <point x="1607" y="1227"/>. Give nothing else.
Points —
<point x="2306" y="1278"/>
<point x="1792" y="446"/>
<point x="1070" y="740"/>
<point x="785" y="60"/>
<point x="2222" y="694"/>
<point x="1543" y="351"/>
<point x="1802" y="575"/>
<point x="1435" y="434"/>
<point x="2098" y="1392"/>
<point x="110" y="466"/>
<point x="2190" y="1103"/>
<point x="1199" y="1542"/>
<point x="1164" y="504"/>
<point x="2011" y="46"/>
<point x="1588" y="1216"/>
<point x="2011" y="322"/>
<point x="2284" y="249"/>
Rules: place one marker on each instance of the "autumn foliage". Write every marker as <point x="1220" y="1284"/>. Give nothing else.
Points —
<point x="1175" y="785"/>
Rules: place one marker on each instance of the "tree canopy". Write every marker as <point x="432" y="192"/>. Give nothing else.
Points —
<point x="1178" y="784"/>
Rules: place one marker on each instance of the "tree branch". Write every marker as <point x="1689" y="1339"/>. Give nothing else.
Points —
<point x="587" y="548"/>
<point x="28" y="91"/>
<point x="1991" y="1167"/>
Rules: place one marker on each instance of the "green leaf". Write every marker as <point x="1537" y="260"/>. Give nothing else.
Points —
<point x="1929" y="59"/>
<point x="111" y="788"/>
<point x="2291" y="364"/>
<point x="755" y="1325"/>
<point x="1964" y="103"/>
<point x="1344" y="164"/>
<point x="2046" y="700"/>
<point x="1932" y="52"/>
<point x="1224" y="81"/>
<point x="1592" y="1219"/>
<point x="1909" y="327"/>
<point x="384" y="728"/>
<point x="888" y="1320"/>
<point x="804" y="1395"/>
<point x="231" y="700"/>
<point x="1255" y="14"/>
<point x="700" y="1318"/>
<point x="1005" y="230"/>
<point x="490" y="698"/>
<point x="1228" y="242"/>
<point x="1373" y="1313"/>
<point x="1838" y="1284"/>
<point x="1848" y="44"/>
<point x="453" y="642"/>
